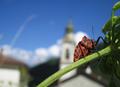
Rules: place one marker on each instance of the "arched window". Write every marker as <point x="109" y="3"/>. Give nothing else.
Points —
<point x="67" y="54"/>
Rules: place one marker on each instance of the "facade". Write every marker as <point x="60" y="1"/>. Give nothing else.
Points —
<point x="13" y="73"/>
<point x="68" y="45"/>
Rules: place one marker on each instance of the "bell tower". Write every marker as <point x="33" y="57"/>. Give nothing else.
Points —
<point x="68" y="44"/>
<point x="67" y="50"/>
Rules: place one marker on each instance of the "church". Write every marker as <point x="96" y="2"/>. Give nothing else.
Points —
<point x="67" y="50"/>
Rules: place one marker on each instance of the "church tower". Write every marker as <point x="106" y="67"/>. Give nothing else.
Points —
<point x="68" y="44"/>
<point x="67" y="50"/>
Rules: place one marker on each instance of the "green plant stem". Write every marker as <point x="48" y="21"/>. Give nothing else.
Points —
<point x="74" y="65"/>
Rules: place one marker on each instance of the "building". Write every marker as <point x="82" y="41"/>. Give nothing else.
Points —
<point x="67" y="51"/>
<point x="13" y="73"/>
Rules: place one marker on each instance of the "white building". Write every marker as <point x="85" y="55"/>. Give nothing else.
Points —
<point x="67" y="51"/>
<point x="13" y="73"/>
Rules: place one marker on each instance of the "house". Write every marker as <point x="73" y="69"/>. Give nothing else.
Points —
<point x="13" y="73"/>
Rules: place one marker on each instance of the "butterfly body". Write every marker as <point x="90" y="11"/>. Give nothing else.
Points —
<point x="83" y="48"/>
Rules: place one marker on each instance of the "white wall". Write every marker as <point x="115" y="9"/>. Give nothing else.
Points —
<point x="9" y="77"/>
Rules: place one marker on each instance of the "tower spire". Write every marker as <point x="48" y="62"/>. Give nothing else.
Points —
<point x="69" y="32"/>
<point x="69" y="28"/>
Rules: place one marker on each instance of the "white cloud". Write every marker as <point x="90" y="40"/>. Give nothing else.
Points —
<point x="78" y="36"/>
<point x="25" y="54"/>
<point x="40" y="55"/>
<point x="6" y="50"/>
<point x="54" y="51"/>
<point x="16" y="53"/>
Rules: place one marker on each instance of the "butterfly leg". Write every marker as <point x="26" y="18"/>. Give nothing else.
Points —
<point x="100" y="37"/>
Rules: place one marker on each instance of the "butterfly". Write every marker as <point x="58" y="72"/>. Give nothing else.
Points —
<point x="83" y="48"/>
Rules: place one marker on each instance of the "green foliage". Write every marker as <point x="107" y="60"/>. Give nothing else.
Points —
<point x="116" y="6"/>
<point x="108" y="25"/>
<point x="112" y="28"/>
<point x="111" y="63"/>
<point x="114" y="82"/>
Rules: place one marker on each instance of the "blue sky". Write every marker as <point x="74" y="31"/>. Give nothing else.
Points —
<point x="49" y="19"/>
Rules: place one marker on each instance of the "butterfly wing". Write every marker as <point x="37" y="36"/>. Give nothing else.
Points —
<point x="78" y="52"/>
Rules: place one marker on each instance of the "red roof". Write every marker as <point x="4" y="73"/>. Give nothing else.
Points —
<point x="7" y="60"/>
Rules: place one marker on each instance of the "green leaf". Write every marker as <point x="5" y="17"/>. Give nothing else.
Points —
<point x="117" y="70"/>
<point x="108" y="26"/>
<point x="112" y="84"/>
<point x="116" y="28"/>
<point x="105" y="66"/>
<point x="116" y="6"/>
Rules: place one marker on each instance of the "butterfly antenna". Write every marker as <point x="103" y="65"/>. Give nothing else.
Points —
<point x="93" y="34"/>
